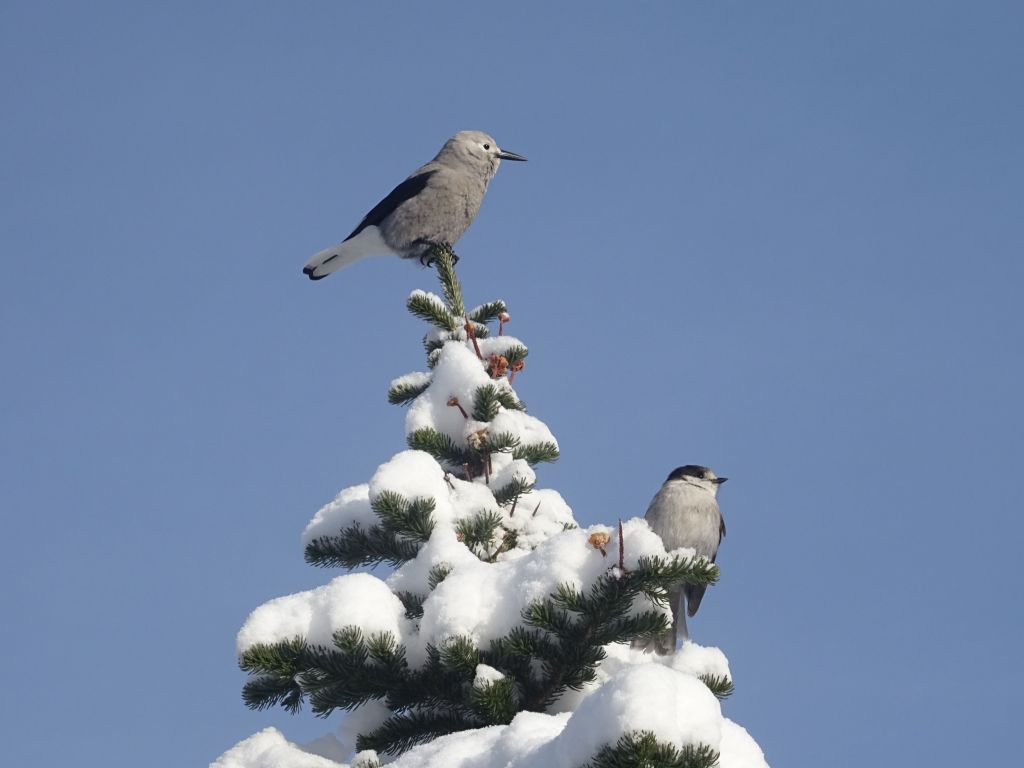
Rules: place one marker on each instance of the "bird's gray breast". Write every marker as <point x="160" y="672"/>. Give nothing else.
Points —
<point x="440" y="213"/>
<point x="686" y="516"/>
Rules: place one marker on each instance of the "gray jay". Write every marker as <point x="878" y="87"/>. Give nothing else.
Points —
<point x="684" y="513"/>
<point x="434" y="206"/>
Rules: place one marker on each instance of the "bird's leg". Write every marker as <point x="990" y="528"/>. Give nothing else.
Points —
<point x="679" y="628"/>
<point x="666" y="644"/>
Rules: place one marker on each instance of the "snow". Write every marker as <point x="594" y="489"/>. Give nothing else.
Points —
<point x="459" y="373"/>
<point x="416" y="474"/>
<point x="363" y="719"/>
<point x="414" y="379"/>
<point x="539" y="515"/>
<point x="674" y="705"/>
<point x="529" y="429"/>
<point x="486" y="676"/>
<point x="517" y="469"/>
<point x="433" y="298"/>
<point x="484" y="600"/>
<point x="270" y="749"/>
<point x="738" y="749"/>
<point x="350" y="507"/>
<point x="691" y="659"/>
<point x="355" y="599"/>
<point x="498" y="345"/>
<point x="700" y="660"/>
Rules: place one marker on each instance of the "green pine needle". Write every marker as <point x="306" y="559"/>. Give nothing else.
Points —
<point x="485" y="313"/>
<point x="412" y="519"/>
<point x="402" y="732"/>
<point x="438" y="445"/>
<point x="438" y="574"/>
<point x="433" y="344"/>
<point x="460" y="655"/>
<point x="657" y="574"/>
<point x="404" y="393"/>
<point x="515" y="354"/>
<point x="358" y="545"/>
<point x="477" y="532"/>
<point x="496" y="703"/>
<point x="512" y="491"/>
<point x="502" y="442"/>
<point x="510" y="401"/>
<point x="720" y="685"/>
<point x="535" y="453"/>
<point x="641" y="749"/>
<point x="264" y="692"/>
<point x="413" y="603"/>
<point x="429" y="308"/>
<point x="274" y="669"/>
<point x="444" y="261"/>
<point x="486" y="401"/>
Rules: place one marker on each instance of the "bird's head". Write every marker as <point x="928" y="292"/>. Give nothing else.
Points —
<point x="699" y="476"/>
<point x="475" y="149"/>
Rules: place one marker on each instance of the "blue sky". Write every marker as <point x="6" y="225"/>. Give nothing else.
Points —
<point x="783" y="240"/>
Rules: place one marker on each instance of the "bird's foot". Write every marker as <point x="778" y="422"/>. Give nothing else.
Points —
<point x="429" y="258"/>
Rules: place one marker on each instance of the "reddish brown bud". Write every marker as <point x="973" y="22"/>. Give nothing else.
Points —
<point x="497" y="366"/>
<point x="598" y="541"/>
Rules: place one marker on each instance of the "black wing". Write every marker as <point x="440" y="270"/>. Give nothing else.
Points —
<point x="407" y="190"/>
<point x="694" y="593"/>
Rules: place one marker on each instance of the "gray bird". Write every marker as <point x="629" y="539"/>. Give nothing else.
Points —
<point x="434" y="206"/>
<point x="685" y="513"/>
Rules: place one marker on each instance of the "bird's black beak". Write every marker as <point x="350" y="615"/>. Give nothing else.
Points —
<point x="503" y="155"/>
<point x="719" y="480"/>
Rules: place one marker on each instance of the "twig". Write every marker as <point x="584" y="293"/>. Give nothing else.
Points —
<point x="472" y="337"/>
<point x="513" y="369"/>
<point x="622" y="548"/>
<point x="454" y="402"/>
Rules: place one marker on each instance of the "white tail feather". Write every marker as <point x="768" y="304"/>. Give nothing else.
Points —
<point x="366" y="243"/>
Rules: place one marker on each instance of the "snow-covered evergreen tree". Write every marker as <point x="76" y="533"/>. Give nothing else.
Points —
<point x="501" y="636"/>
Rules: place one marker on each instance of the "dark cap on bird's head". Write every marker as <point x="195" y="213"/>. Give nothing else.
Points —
<point x="697" y="472"/>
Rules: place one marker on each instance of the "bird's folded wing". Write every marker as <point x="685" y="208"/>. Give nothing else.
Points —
<point x="407" y="190"/>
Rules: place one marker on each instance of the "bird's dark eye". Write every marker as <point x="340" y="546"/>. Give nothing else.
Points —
<point x="487" y="146"/>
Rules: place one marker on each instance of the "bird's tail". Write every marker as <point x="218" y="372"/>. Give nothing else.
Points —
<point x="694" y="594"/>
<point x="367" y="243"/>
<point x="665" y="644"/>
